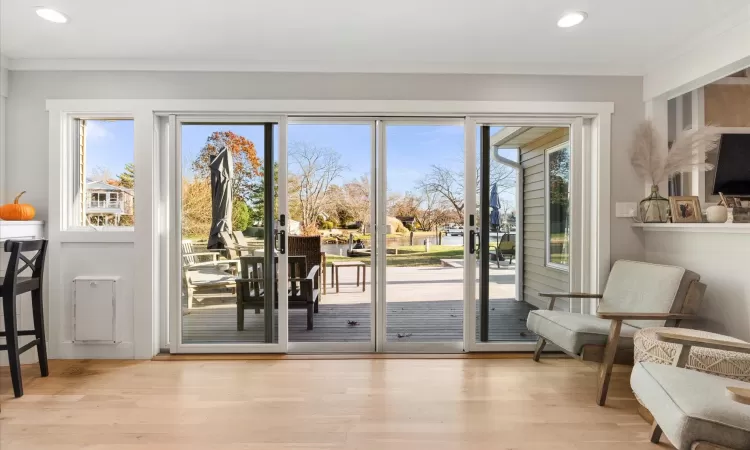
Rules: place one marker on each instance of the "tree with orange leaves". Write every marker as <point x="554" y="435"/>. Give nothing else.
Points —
<point x="246" y="162"/>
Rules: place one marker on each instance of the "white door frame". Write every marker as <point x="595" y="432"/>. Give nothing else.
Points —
<point x="175" y="297"/>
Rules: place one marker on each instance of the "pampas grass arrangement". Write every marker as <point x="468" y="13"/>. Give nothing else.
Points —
<point x="682" y="156"/>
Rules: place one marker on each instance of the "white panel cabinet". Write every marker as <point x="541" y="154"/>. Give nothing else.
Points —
<point x="33" y="229"/>
<point x="95" y="310"/>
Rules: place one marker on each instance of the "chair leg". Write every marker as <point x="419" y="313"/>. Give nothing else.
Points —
<point x="190" y="297"/>
<point x="315" y="310"/>
<point x="655" y="433"/>
<point x="11" y="340"/>
<point x="37" y="308"/>
<point x="309" y="316"/>
<point x="605" y="369"/>
<point x="540" y="343"/>
<point x="240" y="315"/>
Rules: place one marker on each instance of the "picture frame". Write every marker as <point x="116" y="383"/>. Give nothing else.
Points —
<point x="730" y="202"/>
<point x="685" y="209"/>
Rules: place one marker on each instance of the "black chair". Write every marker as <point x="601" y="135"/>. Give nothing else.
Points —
<point x="12" y="285"/>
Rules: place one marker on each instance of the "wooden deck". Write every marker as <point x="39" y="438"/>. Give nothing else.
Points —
<point x="414" y="321"/>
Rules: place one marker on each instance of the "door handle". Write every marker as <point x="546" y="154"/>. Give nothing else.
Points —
<point x="472" y="235"/>
<point x="282" y="242"/>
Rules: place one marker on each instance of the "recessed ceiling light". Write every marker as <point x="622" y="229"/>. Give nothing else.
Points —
<point x="51" y="15"/>
<point x="571" y="19"/>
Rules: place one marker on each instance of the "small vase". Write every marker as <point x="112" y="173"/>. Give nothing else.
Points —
<point x="717" y="214"/>
<point x="654" y="208"/>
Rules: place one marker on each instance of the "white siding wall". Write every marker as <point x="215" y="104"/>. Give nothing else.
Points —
<point x="536" y="276"/>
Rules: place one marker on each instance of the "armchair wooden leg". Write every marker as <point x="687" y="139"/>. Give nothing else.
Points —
<point x="540" y="343"/>
<point x="655" y="433"/>
<point x="309" y="316"/>
<point x="605" y="369"/>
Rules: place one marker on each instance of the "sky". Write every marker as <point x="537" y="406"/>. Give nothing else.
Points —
<point x="410" y="149"/>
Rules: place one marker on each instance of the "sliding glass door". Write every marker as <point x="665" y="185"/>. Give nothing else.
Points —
<point x="421" y="231"/>
<point x="229" y="240"/>
<point x="331" y="198"/>
<point x="524" y="222"/>
<point x="369" y="234"/>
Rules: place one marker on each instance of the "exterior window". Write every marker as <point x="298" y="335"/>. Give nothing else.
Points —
<point x="105" y="184"/>
<point x="557" y="216"/>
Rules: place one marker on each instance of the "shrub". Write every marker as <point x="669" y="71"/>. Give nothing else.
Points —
<point x="327" y="225"/>
<point x="240" y="215"/>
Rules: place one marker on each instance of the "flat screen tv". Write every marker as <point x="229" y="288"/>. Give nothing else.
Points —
<point x="733" y="166"/>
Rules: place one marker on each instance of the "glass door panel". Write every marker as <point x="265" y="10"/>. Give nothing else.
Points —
<point x="423" y="232"/>
<point x="515" y="207"/>
<point x="330" y="210"/>
<point x="228" y="221"/>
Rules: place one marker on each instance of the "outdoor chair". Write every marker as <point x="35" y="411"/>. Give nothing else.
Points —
<point x="638" y="295"/>
<point x="205" y="272"/>
<point x="311" y="248"/>
<point x="195" y="259"/>
<point x="695" y="410"/>
<point x="244" y="244"/>
<point x="232" y="248"/>
<point x="302" y="285"/>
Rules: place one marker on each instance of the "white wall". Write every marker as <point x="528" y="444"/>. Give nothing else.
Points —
<point x="721" y="259"/>
<point x="27" y="162"/>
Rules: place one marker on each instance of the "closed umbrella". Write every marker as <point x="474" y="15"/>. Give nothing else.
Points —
<point x="221" y="196"/>
<point x="495" y="218"/>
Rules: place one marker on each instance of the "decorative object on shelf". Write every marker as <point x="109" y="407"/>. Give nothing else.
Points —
<point x="740" y="215"/>
<point x="685" y="209"/>
<point x="648" y="163"/>
<point x="717" y="214"/>
<point x="654" y="208"/>
<point x="730" y="202"/>
<point x="17" y="211"/>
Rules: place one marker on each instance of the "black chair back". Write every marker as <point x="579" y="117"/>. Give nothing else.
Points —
<point x="24" y="254"/>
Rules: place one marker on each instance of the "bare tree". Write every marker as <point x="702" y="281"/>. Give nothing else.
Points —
<point x="448" y="184"/>
<point x="315" y="169"/>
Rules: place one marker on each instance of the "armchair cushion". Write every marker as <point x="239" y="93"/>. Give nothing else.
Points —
<point x="690" y="406"/>
<point x="571" y="331"/>
<point x="646" y="288"/>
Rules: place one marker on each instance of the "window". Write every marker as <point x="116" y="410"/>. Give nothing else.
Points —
<point x="557" y="214"/>
<point x="104" y="191"/>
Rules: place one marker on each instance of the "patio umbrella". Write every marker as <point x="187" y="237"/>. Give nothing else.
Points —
<point x="221" y="196"/>
<point x="495" y="217"/>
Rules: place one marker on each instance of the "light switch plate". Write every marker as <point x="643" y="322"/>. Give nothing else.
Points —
<point x="623" y="209"/>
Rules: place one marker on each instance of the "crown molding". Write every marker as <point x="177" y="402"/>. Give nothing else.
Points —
<point x="573" y="69"/>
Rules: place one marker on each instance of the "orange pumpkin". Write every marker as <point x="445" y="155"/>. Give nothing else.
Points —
<point x="17" y="211"/>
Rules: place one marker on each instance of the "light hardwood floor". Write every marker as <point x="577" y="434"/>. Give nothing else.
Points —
<point x="377" y="404"/>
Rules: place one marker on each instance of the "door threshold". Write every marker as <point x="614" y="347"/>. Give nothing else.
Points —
<point x="336" y="356"/>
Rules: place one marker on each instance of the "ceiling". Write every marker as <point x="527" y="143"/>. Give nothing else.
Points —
<point x="449" y="36"/>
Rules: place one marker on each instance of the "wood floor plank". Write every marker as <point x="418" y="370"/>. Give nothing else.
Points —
<point x="367" y="404"/>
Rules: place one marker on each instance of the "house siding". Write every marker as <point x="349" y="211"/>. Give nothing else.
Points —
<point x="537" y="277"/>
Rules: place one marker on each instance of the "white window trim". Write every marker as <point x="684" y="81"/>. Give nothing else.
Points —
<point x="547" y="262"/>
<point x="69" y="199"/>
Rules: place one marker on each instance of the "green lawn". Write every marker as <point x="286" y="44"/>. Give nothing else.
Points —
<point x="412" y="256"/>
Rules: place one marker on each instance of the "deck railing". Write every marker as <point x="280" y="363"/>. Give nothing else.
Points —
<point x="106" y="204"/>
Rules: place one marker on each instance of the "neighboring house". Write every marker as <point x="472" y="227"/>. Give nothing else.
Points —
<point x="106" y="204"/>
